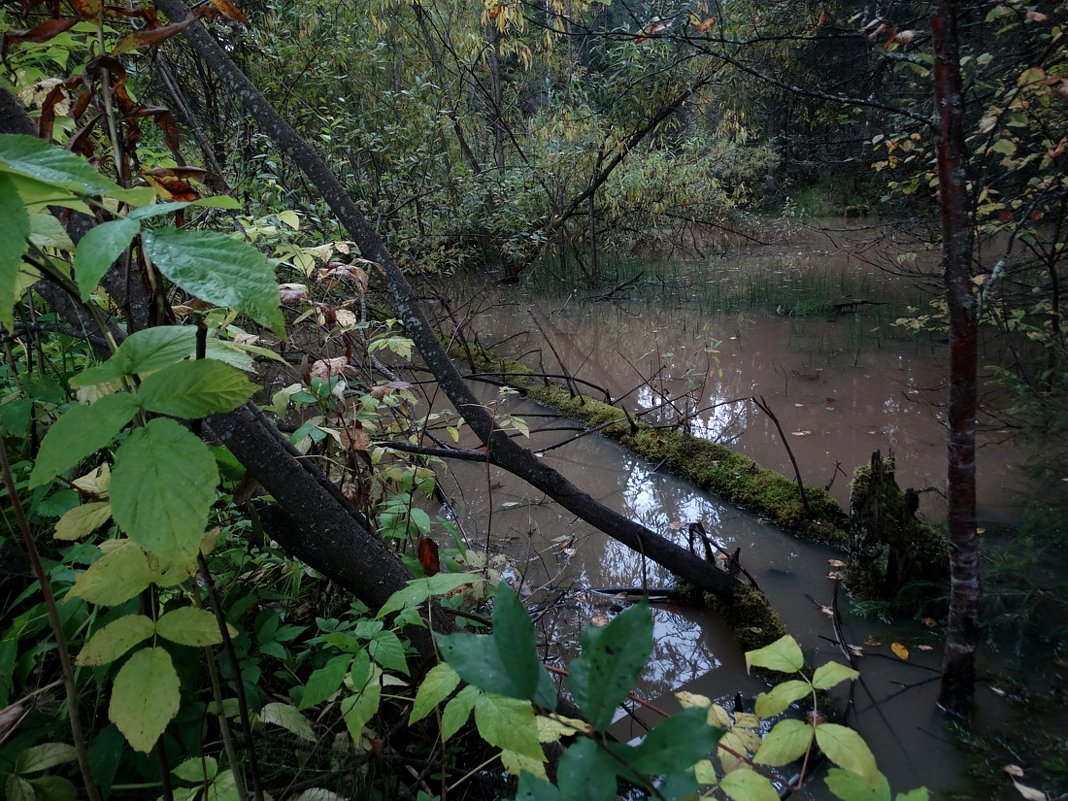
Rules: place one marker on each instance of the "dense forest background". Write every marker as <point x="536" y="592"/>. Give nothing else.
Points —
<point x="282" y="600"/>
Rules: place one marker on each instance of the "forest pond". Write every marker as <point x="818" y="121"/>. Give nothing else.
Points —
<point x="804" y="320"/>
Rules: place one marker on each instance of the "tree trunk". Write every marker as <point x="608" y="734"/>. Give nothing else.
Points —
<point x="962" y="635"/>
<point x="500" y="448"/>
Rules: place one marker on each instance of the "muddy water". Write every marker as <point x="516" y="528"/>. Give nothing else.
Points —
<point x="692" y="342"/>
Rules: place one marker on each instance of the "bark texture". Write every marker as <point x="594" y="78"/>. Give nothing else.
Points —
<point x="501" y="449"/>
<point x="963" y="633"/>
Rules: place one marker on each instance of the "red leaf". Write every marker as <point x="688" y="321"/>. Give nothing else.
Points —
<point x="151" y="36"/>
<point x="428" y="556"/>
<point x="228" y="10"/>
<point x="89" y="9"/>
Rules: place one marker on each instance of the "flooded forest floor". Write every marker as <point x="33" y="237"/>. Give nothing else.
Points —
<point x="810" y="320"/>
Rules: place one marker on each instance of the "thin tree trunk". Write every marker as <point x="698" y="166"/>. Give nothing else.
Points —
<point x="963" y="634"/>
<point x="501" y="450"/>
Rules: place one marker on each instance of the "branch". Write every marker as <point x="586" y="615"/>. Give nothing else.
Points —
<point x="502" y="451"/>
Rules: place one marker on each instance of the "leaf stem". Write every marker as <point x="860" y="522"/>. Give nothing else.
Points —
<point x="77" y="735"/>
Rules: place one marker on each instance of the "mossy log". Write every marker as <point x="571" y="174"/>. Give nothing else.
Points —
<point x="889" y="549"/>
<point x="710" y="466"/>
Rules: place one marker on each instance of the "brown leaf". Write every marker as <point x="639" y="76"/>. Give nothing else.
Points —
<point x="428" y="556"/>
<point x="1037" y="16"/>
<point x="600" y="621"/>
<point x="836" y="575"/>
<point x="704" y="25"/>
<point x="89" y="9"/>
<point x="930" y="622"/>
<point x="170" y="188"/>
<point x="151" y="36"/>
<point x="10" y="717"/>
<point x="39" y="33"/>
<point x="1013" y="770"/>
<point x="837" y="564"/>
<point x="292" y="293"/>
<point x="228" y="10"/>
<point x="355" y="437"/>
<point x="324" y="369"/>
<point x="856" y="650"/>
<point x="826" y="610"/>
<point x="871" y="642"/>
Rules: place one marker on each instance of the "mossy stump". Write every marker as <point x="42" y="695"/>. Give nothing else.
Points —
<point x="889" y="549"/>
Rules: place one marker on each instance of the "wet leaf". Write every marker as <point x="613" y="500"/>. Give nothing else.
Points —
<point x="836" y="575"/>
<point x="930" y="622"/>
<point x="900" y="651"/>
<point x="1013" y="770"/>
<point x="924" y="647"/>
<point x="872" y="642"/>
<point x="837" y="564"/>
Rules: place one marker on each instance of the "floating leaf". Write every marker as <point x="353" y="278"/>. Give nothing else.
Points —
<point x="1030" y="793"/>
<point x="144" y="697"/>
<point x="900" y="651"/>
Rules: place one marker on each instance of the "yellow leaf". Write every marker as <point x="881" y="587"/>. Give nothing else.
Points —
<point x="82" y="520"/>
<point x="900" y="651"/>
<point x="689" y="700"/>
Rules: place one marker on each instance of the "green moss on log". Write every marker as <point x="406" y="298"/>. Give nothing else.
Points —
<point x="710" y="466"/>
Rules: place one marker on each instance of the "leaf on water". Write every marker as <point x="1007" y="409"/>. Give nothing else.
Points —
<point x="1013" y="770"/>
<point x="900" y="651"/>
<point x="837" y="564"/>
<point x="924" y="647"/>
<point x="930" y="622"/>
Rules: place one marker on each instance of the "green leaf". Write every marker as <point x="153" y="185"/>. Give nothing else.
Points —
<point x="586" y="772"/>
<point x="787" y="741"/>
<point x="919" y="794"/>
<point x="435" y="688"/>
<point x="508" y="723"/>
<point x="142" y="352"/>
<point x="163" y="487"/>
<point x="358" y="709"/>
<point x="779" y="697"/>
<point x="144" y="697"/>
<point x="13" y="243"/>
<point x="192" y="389"/>
<point x="783" y="655"/>
<point x="325" y="681"/>
<point x="18" y="789"/>
<point x="44" y="756"/>
<point x="745" y="784"/>
<point x="157" y="209"/>
<point x="53" y="788"/>
<point x="675" y="744"/>
<point x="504" y="662"/>
<point x="827" y="676"/>
<point x="220" y="270"/>
<point x="117" y="576"/>
<point x="457" y="711"/>
<point x="188" y="625"/>
<point x="50" y="164"/>
<point x="851" y="787"/>
<point x="82" y="520"/>
<point x="99" y="249"/>
<point x="611" y="660"/>
<point x="287" y="716"/>
<point x="388" y="651"/>
<point x="419" y="590"/>
<point x="197" y="770"/>
<point x="81" y="432"/>
<point x="532" y="788"/>
<point x="110" y="642"/>
<point x="847" y="749"/>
